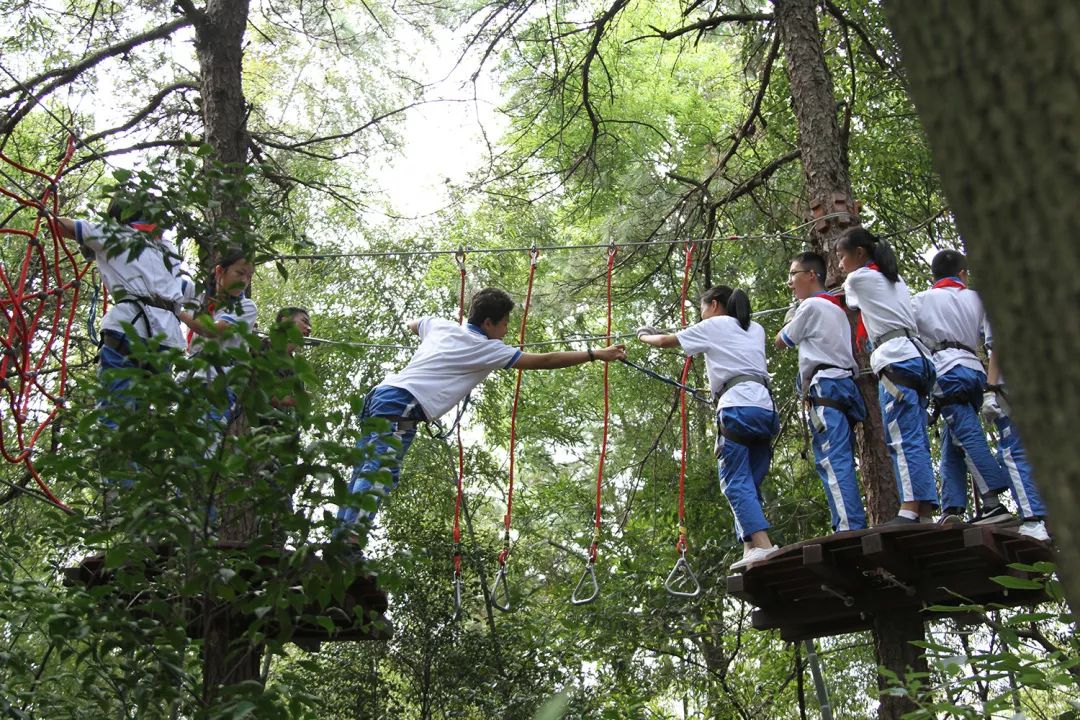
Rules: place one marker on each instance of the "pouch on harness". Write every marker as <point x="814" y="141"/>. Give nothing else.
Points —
<point x="731" y="434"/>
<point x="812" y="401"/>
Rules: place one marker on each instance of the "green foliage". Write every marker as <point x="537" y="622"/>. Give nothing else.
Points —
<point x="993" y="661"/>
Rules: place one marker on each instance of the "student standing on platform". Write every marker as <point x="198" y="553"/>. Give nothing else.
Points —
<point x="827" y="381"/>
<point x="950" y="318"/>
<point x="995" y="409"/>
<point x="905" y="372"/>
<point x="141" y="271"/>
<point x="734" y="349"/>
<point x="450" y="362"/>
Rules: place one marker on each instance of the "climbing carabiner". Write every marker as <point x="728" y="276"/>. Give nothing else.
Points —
<point x="500" y="586"/>
<point x="459" y="258"/>
<point x="457" y="596"/>
<point x="534" y="254"/>
<point x="682" y="576"/>
<point x="590" y="576"/>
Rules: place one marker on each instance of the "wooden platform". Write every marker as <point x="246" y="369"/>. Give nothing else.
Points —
<point x="838" y="584"/>
<point x="360" y="615"/>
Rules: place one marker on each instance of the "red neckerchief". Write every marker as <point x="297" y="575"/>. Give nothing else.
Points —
<point x="949" y="282"/>
<point x="834" y="299"/>
<point x="144" y="227"/>
<point x="862" y="338"/>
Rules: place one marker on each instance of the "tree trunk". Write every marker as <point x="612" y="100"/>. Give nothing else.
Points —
<point x="219" y="33"/>
<point x="996" y="87"/>
<point x="829" y="190"/>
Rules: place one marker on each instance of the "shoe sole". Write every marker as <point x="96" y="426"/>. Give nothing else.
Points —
<point x="997" y="520"/>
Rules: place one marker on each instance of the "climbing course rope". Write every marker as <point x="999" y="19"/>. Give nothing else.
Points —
<point x="39" y="311"/>
<point x="588" y="577"/>
<point x="459" y="257"/>
<point x="681" y="581"/>
<point x="500" y="588"/>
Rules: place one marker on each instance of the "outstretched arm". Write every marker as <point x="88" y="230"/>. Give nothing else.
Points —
<point x="554" y="360"/>
<point x="660" y="340"/>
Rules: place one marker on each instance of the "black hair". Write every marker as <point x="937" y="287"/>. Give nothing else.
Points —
<point x="288" y="313"/>
<point x="948" y="263"/>
<point x="735" y="302"/>
<point x="490" y="304"/>
<point x="879" y="251"/>
<point x="124" y="208"/>
<point x="230" y="257"/>
<point x="812" y="261"/>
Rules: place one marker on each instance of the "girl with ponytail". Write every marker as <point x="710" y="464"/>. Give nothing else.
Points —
<point x="905" y="374"/>
<point x="734" y="349"/>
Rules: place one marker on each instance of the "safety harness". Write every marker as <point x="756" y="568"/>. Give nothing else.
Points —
<point x="732" y="435"/>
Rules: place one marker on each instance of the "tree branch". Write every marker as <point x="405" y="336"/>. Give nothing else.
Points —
<point x="141" y="115"/>
<point x="703" y="26"/>
<point x="58" y="77"/>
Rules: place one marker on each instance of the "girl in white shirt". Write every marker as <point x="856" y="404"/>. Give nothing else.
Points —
<point x="734" y="349"/>
<point x="906" y="374"/>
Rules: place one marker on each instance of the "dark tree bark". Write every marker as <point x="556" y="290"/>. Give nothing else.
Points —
<point x="219" y="34"/>
<point x="996" y="85"/>
<point x="829" y="190"/>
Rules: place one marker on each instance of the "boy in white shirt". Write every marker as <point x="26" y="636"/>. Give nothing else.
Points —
<point x="827" y="369"/>
<point x="449" y="363"/>
<point x="950" y="318"/>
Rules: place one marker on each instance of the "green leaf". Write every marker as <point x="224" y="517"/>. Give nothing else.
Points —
<point x="1015" y="583"/>
<point x="554" y="708"/>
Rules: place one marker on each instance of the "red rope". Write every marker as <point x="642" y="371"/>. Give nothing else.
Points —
<point x="460" y="257"/>
<point x="681" y="544"/>
<point x="612" y="251"/>
<point x="39" y="310"/>
<point x="534" y="255"/>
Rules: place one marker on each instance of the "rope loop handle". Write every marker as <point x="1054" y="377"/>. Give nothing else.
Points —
<point x="682" y="576"/>
<point x="499" y="595"/>
<point x="586" y="583"/>
<point x="457" y="596"/>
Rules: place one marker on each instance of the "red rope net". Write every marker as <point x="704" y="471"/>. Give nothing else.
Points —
<point x="39" y="294"/>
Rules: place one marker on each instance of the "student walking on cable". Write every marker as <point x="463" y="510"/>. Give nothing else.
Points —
<point x="905" y="372"/>
<point x="450" y="362"/>
<point x="734" y="349"/>
<point x="826" y="379"/>
<point x="950" y="318"/>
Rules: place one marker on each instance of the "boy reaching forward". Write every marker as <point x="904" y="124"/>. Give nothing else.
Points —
<point x="451" y="361"/>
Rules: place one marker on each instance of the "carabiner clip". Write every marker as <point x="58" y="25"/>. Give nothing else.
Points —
<point x="500" y="585"/>
<point x="682" y="575"/>
<point x="590" y="575"/>
<point x="457" y="596"/>
<point x="459" y="258"/>
<point x="534" y="254"/>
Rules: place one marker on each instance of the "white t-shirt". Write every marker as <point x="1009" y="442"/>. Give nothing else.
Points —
<point x="241" y="310"/>
<point x="154" y="273"/>
<point x="449" y="363"/>
<point x="821" y="330"/>
<point x="951" y="314"/>
<point x="885" y="306"/>
<point x="729" y="351"/>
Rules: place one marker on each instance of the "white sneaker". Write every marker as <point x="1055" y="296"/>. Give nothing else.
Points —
<point x="1035" y="529"/>
<point x="752" y="556"/>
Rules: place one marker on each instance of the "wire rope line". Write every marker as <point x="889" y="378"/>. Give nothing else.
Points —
<point x="500" y="590"/>
<point x="588" y="582"/>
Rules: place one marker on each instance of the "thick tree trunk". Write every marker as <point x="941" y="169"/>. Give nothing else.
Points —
<point x="829" y="190"/>
<point x="219" y="34"/>
<point x="996" y="86"/>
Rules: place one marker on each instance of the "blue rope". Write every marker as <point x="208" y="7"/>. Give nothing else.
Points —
<point x="91" y="318"/>
<point x="694" y="392"/>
